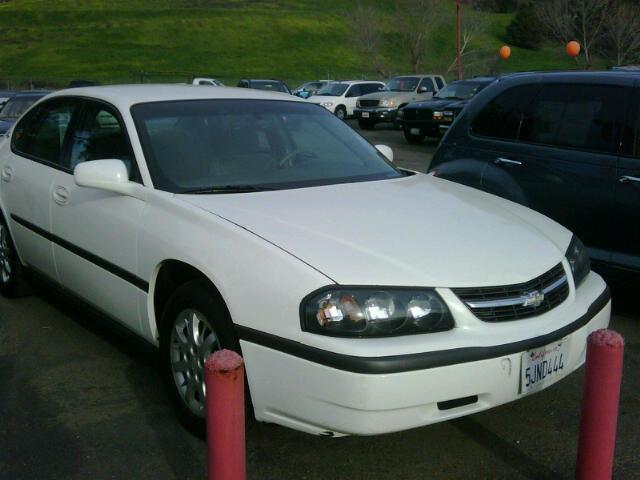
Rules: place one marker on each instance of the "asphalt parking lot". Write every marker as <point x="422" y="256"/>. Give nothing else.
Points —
<point x="78" y="401"/>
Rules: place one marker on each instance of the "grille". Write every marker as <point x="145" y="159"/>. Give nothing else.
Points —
<point x="369" y="103"/>
<point x="515" y="302"/>
<point x="417" y="114"/>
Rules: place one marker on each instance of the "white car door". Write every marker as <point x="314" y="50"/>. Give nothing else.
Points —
<point x="351" y="97"/>
<point x="426" y="89"/>
<point x="95" y="231"/>
<point x="26" y="179"/>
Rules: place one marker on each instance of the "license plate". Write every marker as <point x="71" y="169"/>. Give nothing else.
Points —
<point x="543" y="366"/>
<point x="365" y="114"/>
<point x="415" y="131"/>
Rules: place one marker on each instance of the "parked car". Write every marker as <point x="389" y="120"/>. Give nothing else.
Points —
<point x="421" y="119"/>
<point x="309" y="89"/>
<point x="216" y="218"/>
<point x="16" y="106"/>
<point x="5" y="95"/>
<point x="270" y="85"/>
<point x="565" y="144"/>
<point x="212" y="82"/>
<point x="340" y="97"/>
<point x="399" y="91"/>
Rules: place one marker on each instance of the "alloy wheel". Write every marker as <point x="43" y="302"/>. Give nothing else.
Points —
<point x="5" y="255"/>
<point x="192" y="341"/>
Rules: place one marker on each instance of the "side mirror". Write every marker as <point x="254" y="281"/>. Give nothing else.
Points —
<point x="109" y="175"/>
<point x="423" y="89"/>
<point x="386" y="151"/>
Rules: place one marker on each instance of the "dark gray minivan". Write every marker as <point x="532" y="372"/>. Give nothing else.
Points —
<point x="566" y="144"/>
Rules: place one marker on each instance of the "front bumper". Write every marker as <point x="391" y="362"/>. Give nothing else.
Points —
<point x="323" y="392"/>
<point x="426" y="127"/>
<point x="375" y="114"/>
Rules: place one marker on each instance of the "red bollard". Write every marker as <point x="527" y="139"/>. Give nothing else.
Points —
<point x="600" y="399"/>
<point x="224" y="382"/>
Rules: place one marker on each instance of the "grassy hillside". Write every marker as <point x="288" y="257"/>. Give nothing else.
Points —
<point x="114" y="40"/>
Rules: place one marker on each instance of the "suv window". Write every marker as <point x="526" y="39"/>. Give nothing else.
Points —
<point x="502" y="117"/>
<point x="371" y="88"/>
<point x="576" y="116"/>
<point x="439" y="82"/>
<point x="41" y="134"/>
<point x="428" y="84"/>
<point x="100" y="136"/>
<point x="354" y="91"/>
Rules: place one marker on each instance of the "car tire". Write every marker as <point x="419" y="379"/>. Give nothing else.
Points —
<point x="12" y="281"/>
<point x="341" y="113"/>
<point x="366" y="124"/>
<point x="195" y="323"/>
<point x="411" y="138"/>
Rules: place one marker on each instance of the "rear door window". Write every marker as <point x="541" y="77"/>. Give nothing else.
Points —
<point x="587" y="117"/>
<point x="502" y="117"/>
<point x="439" y="82"/>
<point x="41" y="134"/>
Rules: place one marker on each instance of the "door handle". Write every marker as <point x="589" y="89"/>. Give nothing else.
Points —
<point x="506" y="161"/>
<point x="629" y="178"/>
<point x="7" y="173"/>
<point x="60" y="195"/>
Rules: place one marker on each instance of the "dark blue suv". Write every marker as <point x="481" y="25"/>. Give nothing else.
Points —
<point x="566" y="144"/>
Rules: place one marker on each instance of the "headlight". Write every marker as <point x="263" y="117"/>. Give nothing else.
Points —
<point x="387" y="103"/>
<point x="327" y="104"/>
<point x="437" y="115"/>
<point x="374" y="312"/>
<point x="578" y="259"/>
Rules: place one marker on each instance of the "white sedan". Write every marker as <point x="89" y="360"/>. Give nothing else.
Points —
<point x="364" y="298"/>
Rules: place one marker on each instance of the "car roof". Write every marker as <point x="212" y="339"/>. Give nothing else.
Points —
<point x="124" y="96"/>
<point x="353" y="82"/>
<point x="569" y="74"/>
<point x="261" y="80"/>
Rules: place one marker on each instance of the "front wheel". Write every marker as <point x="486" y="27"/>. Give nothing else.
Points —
<point x="195" y="323"/>
<point x="341" y="113"/>
<point x="12" y="283"/>
<point x="412" y="137"/>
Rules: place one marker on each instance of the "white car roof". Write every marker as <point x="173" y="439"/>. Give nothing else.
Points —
<point x="124" y="96"/>
<point x="353" y="82"/>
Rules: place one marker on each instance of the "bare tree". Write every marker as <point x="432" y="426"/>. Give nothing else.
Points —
<point x="581" y="19"/>
<point x="472" y="26"/>
<point x="416" y="20"/>
<point x="366" y="35"/>
<point x="622" y="32"/>
<point x="590" y="22"/>
<point x="558" y="19"/>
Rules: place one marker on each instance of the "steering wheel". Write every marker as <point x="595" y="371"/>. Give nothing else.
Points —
<point x="301" y="155"/>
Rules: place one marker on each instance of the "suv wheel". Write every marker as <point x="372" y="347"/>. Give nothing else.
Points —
<point x="341" y="112"/>
<point x="412" y="138"/>
<point x="195" y="323"/>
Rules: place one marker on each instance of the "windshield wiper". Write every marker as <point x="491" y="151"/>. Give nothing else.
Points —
<point x="227" y="189"/>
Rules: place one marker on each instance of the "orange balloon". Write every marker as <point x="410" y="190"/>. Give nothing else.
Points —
<point x="573" y="48"/>
<point x="505" y="52"/>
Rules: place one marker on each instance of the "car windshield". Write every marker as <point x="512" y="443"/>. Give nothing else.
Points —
<point x="222" y="146"/>
<point x="268" y="85"/>
<point x="16" y="106"/>
<point x="333" y="89"/>
<point x="402" y="84"/>
<point x="461" y="90"/>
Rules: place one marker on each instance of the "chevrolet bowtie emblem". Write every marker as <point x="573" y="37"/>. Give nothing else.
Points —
<point x="532" y="299"/>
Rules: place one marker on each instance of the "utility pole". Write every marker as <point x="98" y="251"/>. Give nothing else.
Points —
<point x="458" y="28"/>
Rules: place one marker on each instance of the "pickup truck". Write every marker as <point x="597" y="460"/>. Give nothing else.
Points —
<point x="382" y="106"/>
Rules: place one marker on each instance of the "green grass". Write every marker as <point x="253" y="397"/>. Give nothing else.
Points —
<point x="52" y="41"/>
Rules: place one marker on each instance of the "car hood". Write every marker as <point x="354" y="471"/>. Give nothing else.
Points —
<point x="439" y="104"/>
<point x="395" y="96"/>
<point x="413" y="231"/>
<point x="323" y="98"/>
